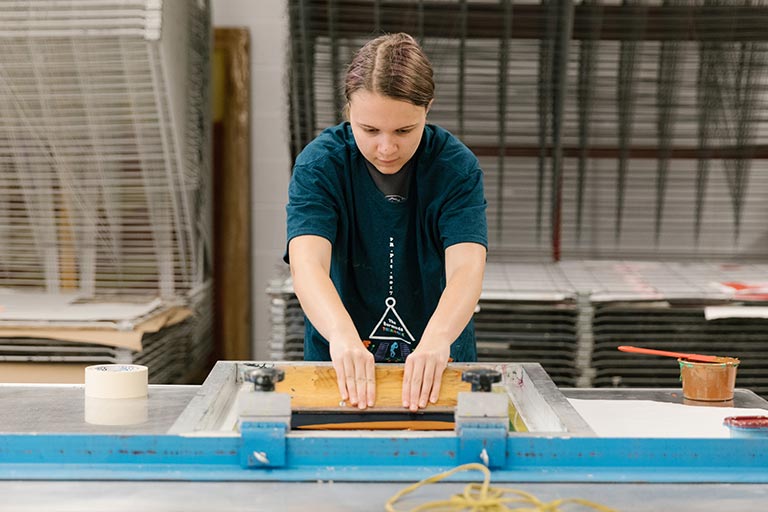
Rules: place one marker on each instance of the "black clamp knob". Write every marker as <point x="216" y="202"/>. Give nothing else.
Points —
<point x="264" y="379"/>
<point x="481" y="378"/>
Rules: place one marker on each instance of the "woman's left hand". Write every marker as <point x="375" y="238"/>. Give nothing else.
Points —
<point x="423" y="374"/>
<point x="424" y="367"/>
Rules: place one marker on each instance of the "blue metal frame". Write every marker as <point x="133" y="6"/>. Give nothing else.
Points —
<point x="353" y="458"/>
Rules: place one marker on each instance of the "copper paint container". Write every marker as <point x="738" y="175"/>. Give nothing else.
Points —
<point x="709" y="382"/>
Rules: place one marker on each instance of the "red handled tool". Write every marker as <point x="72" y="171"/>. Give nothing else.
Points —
<point x="690" y="357"/>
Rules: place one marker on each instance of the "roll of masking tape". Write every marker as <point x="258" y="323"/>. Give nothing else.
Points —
<point x="116" y="381"/>
<point x="111" y="411"/>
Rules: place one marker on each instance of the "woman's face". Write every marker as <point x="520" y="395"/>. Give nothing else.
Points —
<point x="387" y="131"/>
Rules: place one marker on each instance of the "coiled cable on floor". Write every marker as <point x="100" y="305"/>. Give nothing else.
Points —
<point x="484" y="498"/>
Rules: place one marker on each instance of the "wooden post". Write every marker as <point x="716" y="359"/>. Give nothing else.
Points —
<point x="231" y="189"/>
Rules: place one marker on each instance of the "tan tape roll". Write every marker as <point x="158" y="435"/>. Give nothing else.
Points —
<point x="111" y="411"/>
<point x="116" y="381"/>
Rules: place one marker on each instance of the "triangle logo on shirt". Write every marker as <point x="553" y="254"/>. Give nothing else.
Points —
<point x="390" y="339"/>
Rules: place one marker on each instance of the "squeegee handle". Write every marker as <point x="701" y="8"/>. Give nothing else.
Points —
<point x="654" y="352"/>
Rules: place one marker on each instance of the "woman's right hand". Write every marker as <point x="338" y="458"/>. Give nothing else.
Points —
<point x="355" y="372"/>
<point x="310" y="267"/>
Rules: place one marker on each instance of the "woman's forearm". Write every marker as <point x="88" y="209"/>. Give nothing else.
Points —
<point x="310" y="258"/>
<point x="464" y="281"/>
<point x="422" y="377"/>
<point x="322" y="305"/>
<point x="310" y="266"/>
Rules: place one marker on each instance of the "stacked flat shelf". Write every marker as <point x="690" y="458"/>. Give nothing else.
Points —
<point x="543" y="332"/>
<point x="286" y="341"/>
<point x="675" y="327"/>
<point x="105" y="191"/>
<point x="42" y="330"/>
<point x="528" y="312"/>
<point x="666" y="306"/>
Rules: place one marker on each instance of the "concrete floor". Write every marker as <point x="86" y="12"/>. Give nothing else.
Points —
<point x="28" y="496"/>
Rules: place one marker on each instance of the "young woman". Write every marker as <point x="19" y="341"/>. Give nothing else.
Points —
<point x="387" y="234"/>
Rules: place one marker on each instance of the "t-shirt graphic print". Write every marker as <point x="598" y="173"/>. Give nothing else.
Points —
<point x="390" y="340"/>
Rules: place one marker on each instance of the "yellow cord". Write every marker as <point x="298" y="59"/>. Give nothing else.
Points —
<point x="484" y="498"/>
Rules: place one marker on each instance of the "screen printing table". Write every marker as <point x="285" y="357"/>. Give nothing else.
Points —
<point x="187" y="455"/>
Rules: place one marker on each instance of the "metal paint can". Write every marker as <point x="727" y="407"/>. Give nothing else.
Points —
<point x="747" y="426"/>
<point x="708" y="382"/>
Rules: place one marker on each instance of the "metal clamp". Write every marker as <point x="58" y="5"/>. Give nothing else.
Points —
<point x="263" y="445"/>
<point x="485" y="444"/>
<point x="264" y="418"/>
<point x="482" y="421"/>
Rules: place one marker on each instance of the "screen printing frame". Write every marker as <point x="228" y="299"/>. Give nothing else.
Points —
<point x="193" y="448"/>
<point x="543" y="409"/>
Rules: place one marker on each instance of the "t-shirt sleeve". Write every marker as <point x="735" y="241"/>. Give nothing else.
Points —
<point x="312" y="207"/>
<point x="462" y="216"/>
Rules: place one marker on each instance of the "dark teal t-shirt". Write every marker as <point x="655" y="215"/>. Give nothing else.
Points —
<point x="388" y="259"/>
